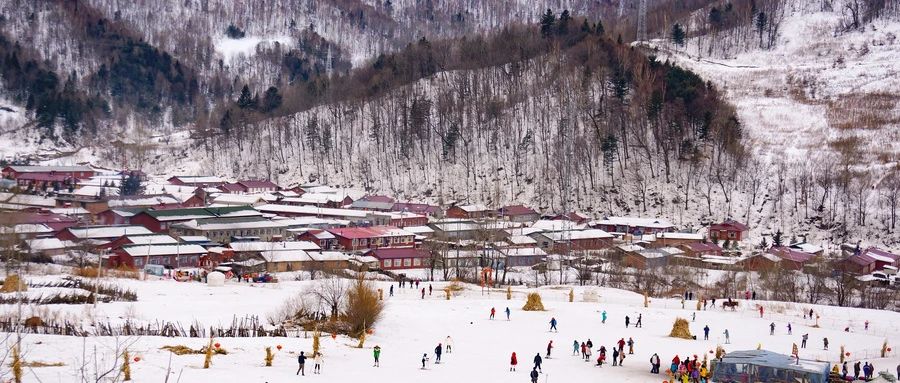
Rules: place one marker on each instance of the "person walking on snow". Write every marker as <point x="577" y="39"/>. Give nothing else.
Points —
<point x="621" y="358"/>
<point x="621" y="344"/>
<point x="654" y="364"/>
<point x="553" y="324"/>
<point x="376" y="352"/>
<point x="627" y="321"/>
<point x="825" y="343"/>
<point x="317" y="360"/>
<point x="583" y="351"/>
<point x="772" y="328"/>
<point x="761" y="309"/>
<point x="789" y="329"/>
<point x="615" y="357"/>
<point x="694" y="316"/>
<point x="391" y="291"/>
<point x="856" y="370"/>
<point x="534" y="375"/>
<point x="301" y="359"/>
<point x="493" y="312"/>
<point x="537" y="362"/>
<point x="449" y="344"/>
<point x="587" y="354"/>
<point x="424" y="360"/>
<point x="549" y="348"/>
<point x="575" y="348"/>
<point x="803" y="340"/>
<point x="630" y="346"/>
<point x="638" y="323"/>
<point x="429" y="289"/>
<point x="513" y="361"/>
<point x="706" y="332"/>
<point x="437" y="353"/>
<point x="507" y="313"/>
<point x="603" y="316"/>
<point x="727" y="337"/>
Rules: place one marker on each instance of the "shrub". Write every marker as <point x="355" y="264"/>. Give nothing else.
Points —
<point x="13" y="284"/>
<point x="508" y="292"/>
<point x="534" y="303"/>
<point x="681" y="329"/>
<point x="316" y="342"/>
<point x="363" y="307"/>
<point x="269" y="356"/>
<point x="571" y="295"/>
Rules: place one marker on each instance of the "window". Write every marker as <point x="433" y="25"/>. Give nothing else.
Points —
<point x="355" y="242"/>
<point x="730" y="234"/>
<point x="387" y="263"/>
<point x="407" y="262"/>
<point x="417" y="262"/>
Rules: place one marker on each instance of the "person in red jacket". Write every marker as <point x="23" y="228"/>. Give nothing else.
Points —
<point x="549" y="347"/>
<point x="513" y="361"/>
<point x="493" y="312"/>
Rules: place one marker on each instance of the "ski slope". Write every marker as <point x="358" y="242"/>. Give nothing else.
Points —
<point x="481" y="347"/>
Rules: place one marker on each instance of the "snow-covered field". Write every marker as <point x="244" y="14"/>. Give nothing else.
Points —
<point x="481" y="347"/>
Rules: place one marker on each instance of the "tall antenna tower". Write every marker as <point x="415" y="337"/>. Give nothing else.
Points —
<point x="642" y="21"/>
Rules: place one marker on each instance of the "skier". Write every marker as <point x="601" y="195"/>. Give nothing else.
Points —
<point x="803" y="340"/>
<point x="772" y="328"/>
<point x="615" y="357"/>
<point x="513" y="361"/>
<point x="761" y="311"/>
<point x="507" y="313"/>
<point x="603" y="315"/>
<point x="423" y="292"/>
<point x="449" y="344"/>
<point x="575" y="348"/>
<point x="706" y="332"/>
<point x="534" y="375"/>
<point x="810" y="313"/>
<point x="429" y="289"/>
<point x="549" y="348"/>
<point x="727" y="337"/>
<point x="424" y="359"/>
<point x="437" y="353"/>
<point x="301" y="359"/>
<point x="825" y="342"/>
<point x="638" y="324"/>
<point x="553" y="325"/>
<point x="493" y="311"/>
<point x="376" y="352"/>
<point x="391" y="291"/>
<point x="693" y="317"/>
<point x="627" y="321"/>
<point x="630" y="346"/>
<point x="654" y="364"/>
<point x="537" y="362"/>
<point x="317" y="359"/>
<point x="789" y="329"/>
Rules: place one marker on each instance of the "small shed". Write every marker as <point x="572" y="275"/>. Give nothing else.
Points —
<point x="767" y="366"/>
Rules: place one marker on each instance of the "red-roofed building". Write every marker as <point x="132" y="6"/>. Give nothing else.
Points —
<point x="417" y="208"/>
<point x="857" y="263"/>
<point x="362" y="238"/>
<point x="519" y="213"/>
<point x="45" y="176"/>
<point x="728" y="230"/>
<point x="791" y="259"/>
<point x="882" y="257"/>
<point x="699" y="249"/>
<point x="469" y="211"/>
<point x="323" y="238"/>
<point x="56" y="222"/>
<point x="571" y="216"/>
<point x="404" y="258"/>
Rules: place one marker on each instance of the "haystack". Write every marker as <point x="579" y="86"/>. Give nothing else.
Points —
<point x="534" y="303"/>
<point x="12" y="284"/>
<point x="681" y="329"/>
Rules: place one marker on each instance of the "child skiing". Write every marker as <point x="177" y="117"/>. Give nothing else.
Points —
<point x="424" y="360"/>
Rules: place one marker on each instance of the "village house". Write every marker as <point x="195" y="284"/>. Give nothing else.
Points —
<point x="454" y="229"/>
<point x="422" y="232"/>
<point x="320" y="237"/>
<point x="25" y="202"/>
<point x="163" y="220"/>
<point x="48" y="246"/>
<point x="223" y="230"/>
<point x="650" y="258"/>
<point x="363" y="238"/>
<point x="402" y="258"/>
<point x="99" y="235"/>
<point x="326" y="200"/>
<point x="633" y="225"/>
<point x="729" y="230"/>
<point x="523" y="256"/>
<point x="807" y="248"/>
<point x="226" y="199"/>
<point x="417" y="208"/>
<point x="197" y="181"/>
<point x="151" y="239"/>
<point x="249" y="187"/>
<point x="700" y="249"/>
<point x="54" y="221"/>
<point x="761" y="262"/>
<point x="676" y="239"/>
<point x="374" y="202"/>
<point x="171" y="255"/>
<point x="41" y="177"/>
<point x="869" y="260"/>
<point x="573" y="240"/>
<point x="469" y="212"/>
<point x="791" y="259"/>
<point x="404" y="219"/>
<point x="518" y="213"/>
<point x="357" y="217"/>
<point x="572" y="216"/>
<point x="117" y="216"/>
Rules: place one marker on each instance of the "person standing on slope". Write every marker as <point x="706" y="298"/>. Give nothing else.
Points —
<point x="317" y="360"/>
<point x="621" y="344"/>
<point x="638" y="323"/>
<point x="423" y="293"/>
<point x="534" y="375"/>
<point x="825" y="343"/>
<point x="507" y="313"/>
<point x="513" y="361"/>
<point x="493" y="312"/>
<point x="448" y="343"/>
<point x="391" y="291"/>
<point x="301" y="359"/>
<point x="424" y="360"/>
<point x="376" y="352"/>
<point x="772" y="328"/>
<point x="437" y="353"/>
<point x="627" y="321"/>
<point x="603" y="316"/>
<point x="537" y="362"/>
<point x="553" y="324"/>
<point x="575" y="348"/>
<point x="803" y="340"/>
<point x="630" y="346"/>
<point x="549" y="348"/>
<point x="728" y="337"/>
<point x="615" y="357"/>
<point x="706" y="332"/>
<point x="654" y="364"/>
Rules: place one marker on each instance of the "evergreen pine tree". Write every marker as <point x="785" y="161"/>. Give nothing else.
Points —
<point x="563" y="24"/>
<point x="761" y="21"/>
<point x="678" y="34"/>
<point x="776" y="239"/>
<point x="598" y="29"/>
<point x="271" y="99"/>
<point x="246" y="99"/>
<point x="547" y="22"/>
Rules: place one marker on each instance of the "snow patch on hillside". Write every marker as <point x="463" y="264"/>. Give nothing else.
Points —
<point x="246" y="47"/>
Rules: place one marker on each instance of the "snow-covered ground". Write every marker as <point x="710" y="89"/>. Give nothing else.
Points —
<point x="800" y="99"/>
<point x="481" y="347"/>
<point x="245" y="47"/>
